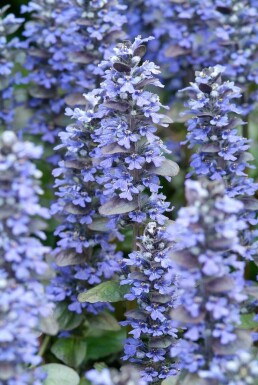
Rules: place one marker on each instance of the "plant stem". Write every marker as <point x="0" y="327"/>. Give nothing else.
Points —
<point x="44" y="345"/>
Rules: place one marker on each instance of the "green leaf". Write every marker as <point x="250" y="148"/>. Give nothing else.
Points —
<point x="66" y="319"/>
<point x="109" y="291"/>
<point x="49" y="325"/>
<point x="71" y="351"/>
<point x="58" y="374"/>
<point x="247" y="321"/>
<point x="104" y="321"/>
<point x="105" y="345"/>
<point x="84" y="382"/>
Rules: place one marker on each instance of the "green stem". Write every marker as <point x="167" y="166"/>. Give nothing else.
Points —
<point x="44" y="345"/>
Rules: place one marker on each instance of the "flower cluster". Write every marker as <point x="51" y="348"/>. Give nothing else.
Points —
<point x="206" y="255"/>
<point x="195" y="34"/>
<point x="84" y="255"/>
<point x="242" y="369"/>
<point x="126" y="376"/>
<point x="23" y="299"/>
<point x="8" y="25"/>
<point x="222" y="152"/>
<point x="132" y="156"/>
<point x="65" y="41"/>
<point x="152" y="285"/>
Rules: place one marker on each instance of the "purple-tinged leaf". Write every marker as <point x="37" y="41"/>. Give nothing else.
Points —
<point x="140" y="51"/>
<point x="121" y="67"/>
<point x="118" y="206"/>
<point x="167" y="168"/>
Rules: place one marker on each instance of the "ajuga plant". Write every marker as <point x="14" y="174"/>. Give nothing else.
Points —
<point x="8" y="25"/>
<point x="126" y="376"/>
<point x="205" y="254"/>
<point x="132" y="157"/>
<point x="84" y="253"/>
<point x="23" y="300"/>
<point x="221" y="152"/>
<point x="195" y="34"/>
<point x="112" y="156"/>
<point x="153" y="286"/>
<point x="65" y="41"/>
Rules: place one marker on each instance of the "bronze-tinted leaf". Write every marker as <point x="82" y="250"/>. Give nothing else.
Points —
<point x="220" y="243"/>
<point x="121" y="67"/>
<point x="76" y="99"/>
<point x="140" y="51"/>
<point x="118" y="206"/>
<point x="243" y="341"/>
<point x="113" y="148"/>
<point x="184" y="258"/>
<point x="70" y="258"/>
<point x="220" y="285"/>
<point x="136" y="314"/>
<point x="77" y="210"/>
<point x="113" y="36"/>
<point x="206" y="88"/>
<point x="167" y="168"/>
<point x="224" y="10"/>
<point x="40" y="53"/>
<point x="234" y="122"/>
<point x="210" y="148"/>
<point x="160" y="298"/>
<point x="251" y="204"/>
<point x="181" y="315"/>
<point x="161" y="342"/>
<point x="118" y="106"/>
<point x="175" y="51"/>
<point x="42" y="92"/>
<point x="144" y="83"/>
<point x="81" y="57"/>
<point x="99" y="224"/>
<point x="76" y="164"/>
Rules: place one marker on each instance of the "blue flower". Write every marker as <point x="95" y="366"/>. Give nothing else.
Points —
<point x="211" y="284"/>
<point x="23" y="298"/>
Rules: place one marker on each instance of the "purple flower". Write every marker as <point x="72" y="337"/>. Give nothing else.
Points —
<point x="211" y="284"/>
<point x="23" y="298"/>
<point x="64" y="43"/>
<point x="152" y="331"/>
<point x="126" y="376"/>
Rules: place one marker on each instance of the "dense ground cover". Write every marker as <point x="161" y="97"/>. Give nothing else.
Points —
<point x="128" y="192"/>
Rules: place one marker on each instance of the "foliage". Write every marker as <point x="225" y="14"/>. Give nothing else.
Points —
<point x="94" y="273"/>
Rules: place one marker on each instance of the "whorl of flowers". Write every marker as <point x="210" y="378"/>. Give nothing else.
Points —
<point x="152" y="285"/>
<point x="84" y="255"/>
<point x="8" y="25"/>
<point x="241" y="369"/>
<point x="126" y="376"/>
<point x="195" y="34"/>
<point x="65" y="41"/>
<point x="23" y="299"/>
<point x="206" y="255"/>
<point x="132" y="155"/>
<point x="221" y="152"/>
